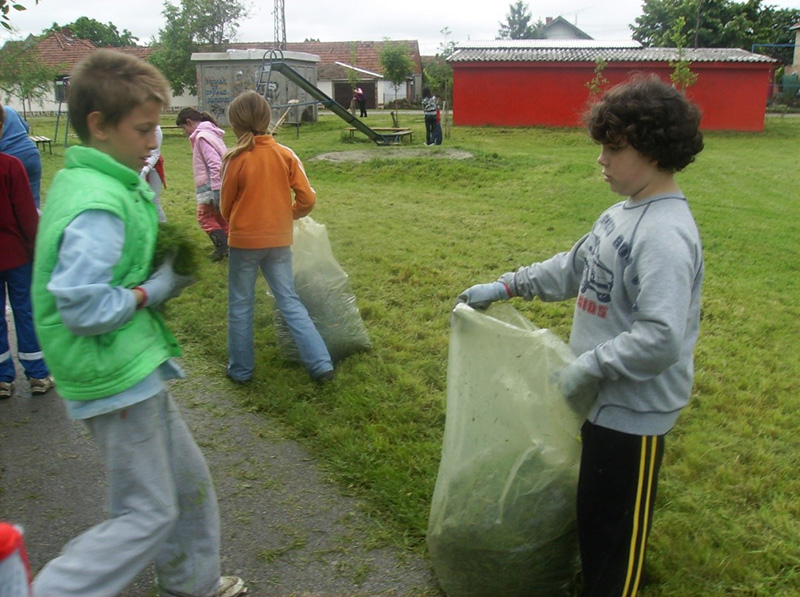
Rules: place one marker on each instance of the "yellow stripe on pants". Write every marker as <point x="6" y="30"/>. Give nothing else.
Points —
<point x="639" y="538"/>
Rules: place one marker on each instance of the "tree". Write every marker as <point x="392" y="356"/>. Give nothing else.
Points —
<point x="438" y="73"/>
<point x="353" y="75"/>
<point x="213" y="22"/>
<point x="599" y="82"/>
<point x="5" y="6"/>
<point x="396" y="64"/>
<point x="193" y="26"/>
<point x="714" y="23"/>
<point x="518" y="24"/>
<point x="172" y="53"/>
<point x="96" y="32"/>
<point x="23" y="75"/>
<point x="681" y="76"/>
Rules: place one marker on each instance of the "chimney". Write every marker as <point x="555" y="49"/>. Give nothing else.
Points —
<point x="548" y="20"/>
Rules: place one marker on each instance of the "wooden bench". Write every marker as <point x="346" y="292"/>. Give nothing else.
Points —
<point x="42" y="141"/>
<point x="396" y="133"/>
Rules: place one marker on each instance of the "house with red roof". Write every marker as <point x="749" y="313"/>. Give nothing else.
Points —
<point x="61" y="51"/>
<point x="359" y="61"/>
<point x="340" y="62"/>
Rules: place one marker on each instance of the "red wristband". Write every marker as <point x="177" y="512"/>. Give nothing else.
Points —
<point x="144" y="292"/>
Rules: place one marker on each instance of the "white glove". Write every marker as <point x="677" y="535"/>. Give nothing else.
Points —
<point x="573" y="380"/>
<point x="164" y="284"/>
<point x="481" y="296"/>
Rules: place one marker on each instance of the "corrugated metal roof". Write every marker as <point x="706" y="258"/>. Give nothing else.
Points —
<point x="609" y="54"/>
<point x="509" y="44"/>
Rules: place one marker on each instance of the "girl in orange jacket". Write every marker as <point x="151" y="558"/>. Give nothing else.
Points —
<point x="264" y="188"/>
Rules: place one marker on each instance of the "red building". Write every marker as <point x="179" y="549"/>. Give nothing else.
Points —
<point x="544" y="82"/>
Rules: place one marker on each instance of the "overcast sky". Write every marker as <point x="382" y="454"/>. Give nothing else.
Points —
<point x="325" y="20"/>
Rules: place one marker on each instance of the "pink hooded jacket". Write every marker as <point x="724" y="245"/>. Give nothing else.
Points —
<point x="207" y="151"/>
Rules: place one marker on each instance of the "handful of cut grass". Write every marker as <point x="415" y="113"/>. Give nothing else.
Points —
<point x="174" y="239"/>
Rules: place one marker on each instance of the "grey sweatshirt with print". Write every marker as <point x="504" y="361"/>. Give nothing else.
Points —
<point x="637" y="277"/>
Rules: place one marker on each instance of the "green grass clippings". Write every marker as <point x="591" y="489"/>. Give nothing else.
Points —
<point x="173" y="238"/>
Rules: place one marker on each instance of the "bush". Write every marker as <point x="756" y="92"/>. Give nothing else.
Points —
<point x="401" y="104"/>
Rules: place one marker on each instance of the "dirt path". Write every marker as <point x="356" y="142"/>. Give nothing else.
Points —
<point x="285" y="528"/>
<point x="393" y="153"/>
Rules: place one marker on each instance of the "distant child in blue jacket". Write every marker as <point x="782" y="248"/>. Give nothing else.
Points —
<point x="18" y="222"/>
<point x="15" y="141"/>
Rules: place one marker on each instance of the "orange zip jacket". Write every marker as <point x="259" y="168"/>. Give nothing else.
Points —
<point x="256" y="197"/>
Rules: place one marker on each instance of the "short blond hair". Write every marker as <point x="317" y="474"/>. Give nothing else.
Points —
<point x="113" y="84"/>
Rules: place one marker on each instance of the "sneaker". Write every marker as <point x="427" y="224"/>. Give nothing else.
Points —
<point x="230" y="586"/>
<point x="6" y="389"/>
<point x="325" y="377"/>
<point x="41" y="386"/>
<point x="235" y="380"/>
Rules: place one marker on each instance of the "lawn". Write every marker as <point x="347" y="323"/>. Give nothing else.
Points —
<point x="412" y="233"/>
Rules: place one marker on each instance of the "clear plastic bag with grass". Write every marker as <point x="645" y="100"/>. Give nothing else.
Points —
<point x="324" y="288"/>
<point x="503" y="520"/>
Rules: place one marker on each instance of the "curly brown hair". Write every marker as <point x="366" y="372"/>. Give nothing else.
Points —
<point x="652" y="117"/>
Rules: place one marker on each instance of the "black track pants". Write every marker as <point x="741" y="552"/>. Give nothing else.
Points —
<point x="616" y="496"/>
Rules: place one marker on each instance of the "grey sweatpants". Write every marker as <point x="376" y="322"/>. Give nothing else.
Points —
<point x="162" y="508"/>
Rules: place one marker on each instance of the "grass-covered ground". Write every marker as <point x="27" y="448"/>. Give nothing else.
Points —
<point x="413" y="233"/>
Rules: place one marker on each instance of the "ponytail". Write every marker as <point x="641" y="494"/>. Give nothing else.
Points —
<point x="195" y="115"/>
<point x="248" y="112"/>
<point x="245" y="143"/>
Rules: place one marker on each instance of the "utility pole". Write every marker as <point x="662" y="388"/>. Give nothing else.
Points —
<point x="280" y="26"/>
<point x="697" y="24"/>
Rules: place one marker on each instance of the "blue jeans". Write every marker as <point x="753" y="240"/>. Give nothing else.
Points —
<point x="276" y="266"/>
<point x="430" y="129"/>
<point x="18" y="282"/>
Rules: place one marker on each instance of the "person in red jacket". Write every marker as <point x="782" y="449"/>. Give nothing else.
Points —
<point x="264" y="188"/>
<point x="19" y="219"/>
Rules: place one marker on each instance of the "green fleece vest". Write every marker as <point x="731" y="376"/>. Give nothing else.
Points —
<point x="92" y="367"/>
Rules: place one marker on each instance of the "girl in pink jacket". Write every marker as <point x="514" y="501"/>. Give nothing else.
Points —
<point x="207" y="151"/>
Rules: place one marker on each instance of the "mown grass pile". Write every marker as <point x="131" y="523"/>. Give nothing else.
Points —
<point x="174" y="241"/>
<point x="413" y="233"/>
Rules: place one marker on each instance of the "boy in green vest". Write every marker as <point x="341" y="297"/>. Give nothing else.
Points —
<point x="94" y="295"/>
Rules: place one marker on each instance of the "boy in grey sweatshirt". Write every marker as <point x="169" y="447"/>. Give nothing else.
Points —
<point x="637" y="277"/>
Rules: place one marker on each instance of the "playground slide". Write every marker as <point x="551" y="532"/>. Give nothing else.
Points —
<point x="330" y="103"/>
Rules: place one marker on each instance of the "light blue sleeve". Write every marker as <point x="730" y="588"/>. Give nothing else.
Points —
<point x="81" y="282"/>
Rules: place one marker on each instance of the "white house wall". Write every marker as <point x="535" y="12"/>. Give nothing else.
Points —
<point x="325" y="87"/>
<point x="49" y="106"/>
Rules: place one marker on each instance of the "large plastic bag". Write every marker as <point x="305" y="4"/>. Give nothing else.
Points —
<point x="324" y="289"/>
<point x="503" y="520"/>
